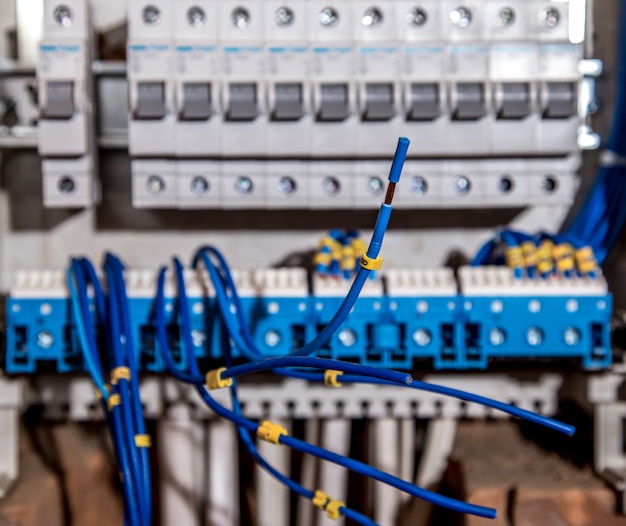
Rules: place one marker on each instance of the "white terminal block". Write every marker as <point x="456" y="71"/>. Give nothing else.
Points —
<point x="416" y="283"/>
<point x="35" y="284"/>
<point x="196" y="68"/>
<point x="153" y="183"/>
<point x="280" y="282"/>
<point x="332" y="287"/>
<point x="501" y="281"/>
<point x="143" y="283"/>
<point x="150" y="57"/>
<point x="69" y="183"/>
<point x="243" y="92"/>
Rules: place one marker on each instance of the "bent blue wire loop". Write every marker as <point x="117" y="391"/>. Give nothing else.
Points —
<point x="351" y="464"/>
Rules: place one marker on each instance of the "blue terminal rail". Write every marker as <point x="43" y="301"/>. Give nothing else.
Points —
<point x="453" y="331"/>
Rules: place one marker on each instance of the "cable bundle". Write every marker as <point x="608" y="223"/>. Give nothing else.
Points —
<point x="123" y="413"/>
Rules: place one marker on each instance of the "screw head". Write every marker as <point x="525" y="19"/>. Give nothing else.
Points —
<point x="287" y="185"/>
<point x="571" y="336"/>
<point x="284" y="16"/>
<point x="347" y="337"/>
<point x="66" y="185"/>
<point x="272" y="338"/>
<point x="549" y="184"/>
<point x="462" y="185"/>
<point x="331" y="185"/>
<point x="244" y="185"/>
<point x="240" y="17"/>
<point x="373" y="17"/>
<point x="417" y="17"/>
<point x="198" y="338"/>
<point x="461" y="17"/>
<point x="507" y="16"/>
<point x="329" y="17"/>
<point x="497" y="337"/>
<point x="199" y="185"/>
<point x="422" y="337"/>
<point x="534" y="336"/>
<point x="505" y="184"/>
<point x="196" y="16"/>
<point x="550" y="16"/>
<point x="375" y="185"/>
<point x="419" y="186"/>
<point x="45" y="339"/>
<point x="151" y="15"/>
<point x="63" y="15"/>
<point x="155" y="184"/>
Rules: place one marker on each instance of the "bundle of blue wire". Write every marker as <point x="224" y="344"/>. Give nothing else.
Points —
<point x="124" y="418"/>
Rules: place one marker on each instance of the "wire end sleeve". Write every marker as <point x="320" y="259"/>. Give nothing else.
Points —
<point x="331" y="506"/>
<point x="398" y="159"/>
<point x="271" y="432"/>
<point x="214" y="379"/>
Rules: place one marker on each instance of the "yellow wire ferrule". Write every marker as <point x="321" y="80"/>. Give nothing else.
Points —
<point x="143" y="441"/>
<point x="325" y="503"/>
<point x="564" y="257"/>
<point x="586" y="260"/>
<point x="371" y="263"/>
<point x="214" y="379"/>
<point x="321" y="258"/>
<point x="514" y="257"/>
<point x="529" y="250"/>
<point x="271" y="432"/>
<point x="114" y="400"/>
<point x="119" y="373"/>
<point x="329" y="242"/>
<point x="330" y="378"/>
<point x="545" y="264"/>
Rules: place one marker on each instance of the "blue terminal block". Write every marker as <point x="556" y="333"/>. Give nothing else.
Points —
<point x="557" y="318"/>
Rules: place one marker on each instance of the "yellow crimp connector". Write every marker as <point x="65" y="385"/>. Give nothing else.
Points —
<point x="586" y="260"/>
<point x="329" y="242"/>
<point x="271" y="432"/>
<point x="330" y="378"/>
<point x="119" y="373"/>
<point x="325" y="503"/>
<point x="529" y="250"/>
<point x="545" y="264"/>
<point x="514" y="257"/>
<point x="563" y="254"/>
<point x="214" y="379"/>
<point x="143" y="441"/>
<point x="322" y="258"/>
<point x="114" y="400"/>
<point x="370" y="263"/>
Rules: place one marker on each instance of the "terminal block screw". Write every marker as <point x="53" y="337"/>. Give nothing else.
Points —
<point x="243" y="185"/>
<point x="66" y="185"/>
<point x="375" y="185"/>
<point x="419" y="186"/>
<point x="373" y="17"/>
<point x="421" y="337"/>
<point x="534" y="336"/>
<point x="496" y="337"/>
<point x="199" y="185"/>
<point x="45" y="339"/>
<point x="155" y="184"/>
<point x="198" y="338"/>
<point x="272" y="338"/>
<point x="461" y="17"/>
<point x="151" y="15"/>
<point x="550" y="17"/>
<point x="507" y="16"/>
<point x="331" y="185"/>
<point x="196" y="16"/>
<point x="416" y="17"/>
<point x="462" y="184"/>
<point x="329" y="17"/>
<point x="287" y="185"/>
<point x="240" y="17"/>
<point x="571" y="336"/>
<point x="347" y="337"/>
<point x="284" y="16"/>
<point x="63" y="15"/>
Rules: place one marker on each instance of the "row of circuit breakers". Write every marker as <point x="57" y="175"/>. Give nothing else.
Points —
<point x="305" y="80"/>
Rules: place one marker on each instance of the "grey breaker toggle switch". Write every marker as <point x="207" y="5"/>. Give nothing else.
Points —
<point x="470" y="101"/>
<point x="242" y="104"/>
<point x="196" y="102"/>
<point x="514" y="100"/>
<point x="288" y="104"/>
<point x="378" y="102"/>
<point x="559" y="99"/>
<point x="60" y="100"/>
<point x="150" y="100"/>
<point x="424" y="102"/>
<point x="334" y="104"/>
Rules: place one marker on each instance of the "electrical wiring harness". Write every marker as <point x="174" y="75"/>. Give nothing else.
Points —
<point x="119" y="389"/>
